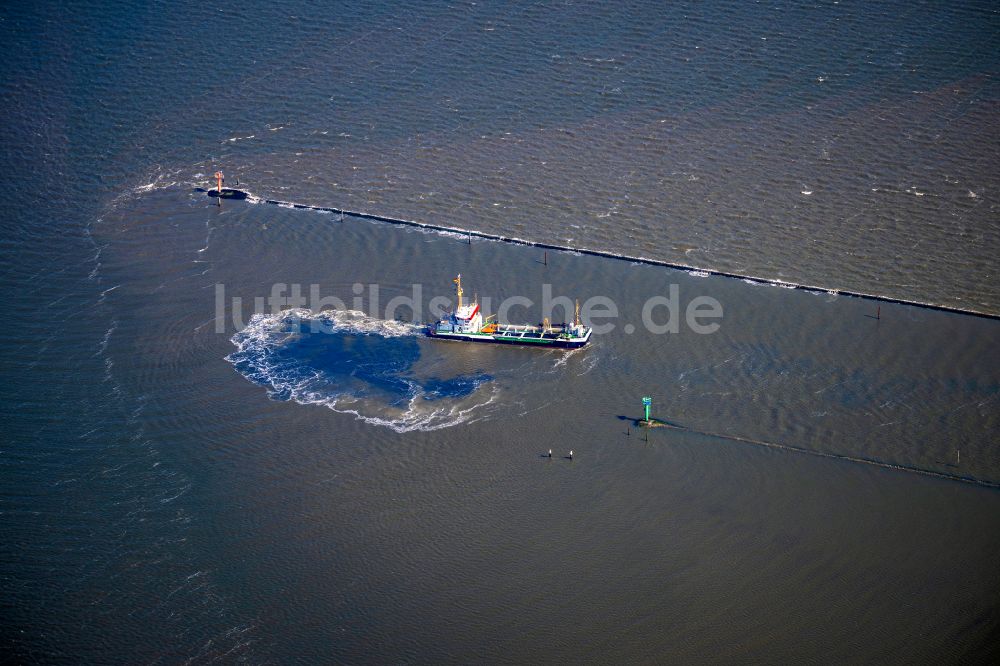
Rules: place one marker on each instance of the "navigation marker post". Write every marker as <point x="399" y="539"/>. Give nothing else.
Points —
<point x="218" y="188"/>
<point x="646" y="403"/>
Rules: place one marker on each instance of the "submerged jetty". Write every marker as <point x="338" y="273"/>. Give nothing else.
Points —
<point x="241" y="194"/>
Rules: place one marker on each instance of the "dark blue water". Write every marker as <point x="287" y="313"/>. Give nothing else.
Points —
<point x="353" y="363"/>
<point x="270" y="494"/>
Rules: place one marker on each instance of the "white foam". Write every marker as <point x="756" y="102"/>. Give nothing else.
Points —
<point x="159" y="184"/>
<point x="264" y="334"/>
<point x="411" y="419"/>
<point x="587" y="360"/>
<point x="345" y="321"/>
<point x="103" y="346"/>
<point x="447" y="234"/>
<point x="562" y="357"/>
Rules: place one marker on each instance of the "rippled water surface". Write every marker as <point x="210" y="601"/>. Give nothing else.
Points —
<point x="186" y="481"/>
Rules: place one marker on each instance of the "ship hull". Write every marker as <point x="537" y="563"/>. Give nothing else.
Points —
<point x="550" y="343"/>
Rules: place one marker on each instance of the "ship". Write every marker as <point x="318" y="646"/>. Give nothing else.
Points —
<point x="467" y="324"/>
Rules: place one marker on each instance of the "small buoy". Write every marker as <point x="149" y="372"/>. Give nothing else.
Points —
<point x="570" y="456"/>
<point x="550" y="453"/>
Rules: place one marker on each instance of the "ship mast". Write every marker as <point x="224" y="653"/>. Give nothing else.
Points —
<point x="458" y="289"/>
<point x="576" y="319"/>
